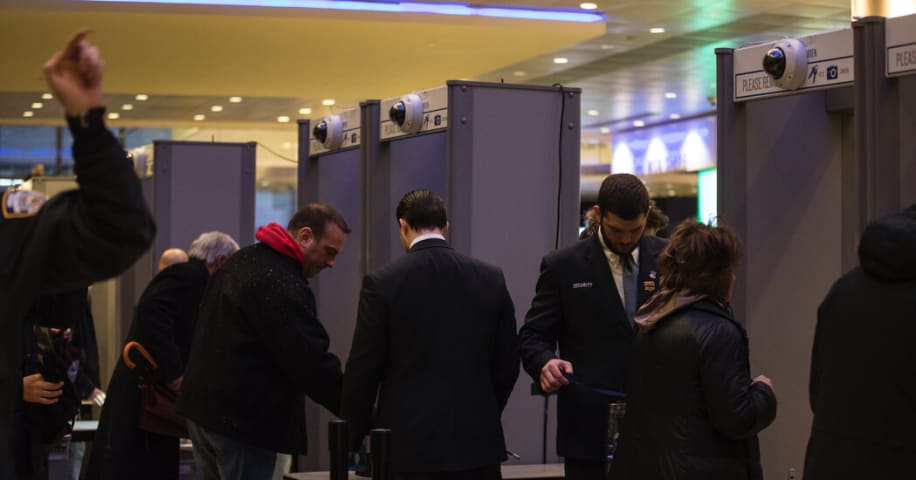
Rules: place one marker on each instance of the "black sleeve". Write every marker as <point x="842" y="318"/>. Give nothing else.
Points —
<point x="816" y="366"/>
<point x="163" y="306"/>
<point x="737" y="407"/>
<point x="299" y="343"/>
<point x="538" y="336"/>
<point x="505" y="357"/>
<point x="100" y="229"/>
<point x="366" y="363"/>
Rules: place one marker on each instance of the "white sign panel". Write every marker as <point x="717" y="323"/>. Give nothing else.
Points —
<point x="350" y="123"/>
<point x="830" y="64"/>
<point x="435" y="113"/>
<point x="900" y="41"/>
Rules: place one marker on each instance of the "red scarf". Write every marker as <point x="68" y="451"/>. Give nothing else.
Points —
<point x="277" y="238"/>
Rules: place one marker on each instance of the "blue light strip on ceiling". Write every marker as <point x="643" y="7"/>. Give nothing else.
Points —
<point x="392" y="7"/>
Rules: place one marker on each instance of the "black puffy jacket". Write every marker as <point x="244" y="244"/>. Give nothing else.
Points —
<point x="692" y="410"/>
<point x="864" y="362"/>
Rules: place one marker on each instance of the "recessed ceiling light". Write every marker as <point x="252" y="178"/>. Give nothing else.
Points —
<point x="142" y="97"/>
<point x="37" y="105"/>
<point x="327" y="102"/>
<point x="639" y="123"/>
<point x="28" y="113"/>
<point x="670" y="95"/>
<point x="287" y="145"/>
<point x="519" y="73"/>
<point x="305" y="111"/>
<point x="560" y="60"/>
<point x="593" y="113"/>
<point x="588" y="6"/>
<point x="604" y="130"/>
<point x="127" y="106"/>
<point x="46" y="96"/>
<point x="283" y="119"/>
<point x="607" y="46"/>
<point x="114" y="116"/>
<point x="235" y="99"/>
<point x="199" y="117"/>
<point x="672" y="193"/>
<point x="657" y="30"/>
<point x="674" y="116"/>
<point x="216" y="108"/>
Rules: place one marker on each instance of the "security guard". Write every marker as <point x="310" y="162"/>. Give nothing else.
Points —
<point x="75" y="238"/>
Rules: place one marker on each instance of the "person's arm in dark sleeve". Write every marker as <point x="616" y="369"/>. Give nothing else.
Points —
<point x="816" y="366"/>
<point x="505" y="357"/>
<point x="538" y="336"/>
<point x="157" y="314"/>
<point x="366" y="363"/>
<point x="289" y="327"/>
<point x="100" y="229"/>
<point x="738" y="407"/>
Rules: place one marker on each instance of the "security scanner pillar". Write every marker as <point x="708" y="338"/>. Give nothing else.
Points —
<point x="786" y="184"/>
<point x="886" y="88"/>
<point x="196" y="187"/>
<point x="330" y="172"/>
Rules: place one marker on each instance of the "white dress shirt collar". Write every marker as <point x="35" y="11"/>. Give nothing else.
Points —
<point x="425" y="236"/>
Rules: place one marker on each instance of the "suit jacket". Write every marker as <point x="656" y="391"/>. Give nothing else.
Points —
<point x="163" y="323"/>
<point x="258" y="350"/>
<point x="435" y="340"/>
<point x="576" y="307"/>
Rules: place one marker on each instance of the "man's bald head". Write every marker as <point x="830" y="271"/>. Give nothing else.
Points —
<point x="172" y="255"/>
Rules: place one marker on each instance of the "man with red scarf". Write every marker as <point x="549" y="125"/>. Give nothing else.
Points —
<point x="259" y="349"/>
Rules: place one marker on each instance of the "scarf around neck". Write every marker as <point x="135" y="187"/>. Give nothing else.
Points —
<point x="277" y="238"/>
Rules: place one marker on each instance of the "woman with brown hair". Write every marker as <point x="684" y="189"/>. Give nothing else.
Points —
<point x="693" y="411"/>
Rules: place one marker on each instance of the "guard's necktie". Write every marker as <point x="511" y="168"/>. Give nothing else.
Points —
<point x="630" y="273"/>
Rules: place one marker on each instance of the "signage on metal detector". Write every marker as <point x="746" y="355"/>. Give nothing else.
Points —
<point x="900" y="42"/>
<point x="830" y="64"/>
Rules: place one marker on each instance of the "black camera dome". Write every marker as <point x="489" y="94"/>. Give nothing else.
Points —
<point x="774" y="62"/>
<point x="398" y="113"/>
<point x="321" y="131"/>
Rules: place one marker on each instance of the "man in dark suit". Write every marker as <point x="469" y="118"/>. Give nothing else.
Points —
<point x="586" y="298"/>
<point x="435" y="341"/>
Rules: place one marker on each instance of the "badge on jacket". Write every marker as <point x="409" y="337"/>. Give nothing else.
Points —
<point x="22" y="203"/>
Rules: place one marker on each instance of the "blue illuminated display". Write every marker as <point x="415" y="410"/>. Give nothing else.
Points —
<point x="685" y="146"/>
<point x="392" y="7"/>
<point x="707" y="196"/>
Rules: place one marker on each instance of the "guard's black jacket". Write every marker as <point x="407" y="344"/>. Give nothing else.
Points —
<point x="76" y="238"/>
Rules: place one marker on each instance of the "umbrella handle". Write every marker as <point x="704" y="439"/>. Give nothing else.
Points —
<point x="125" y="354"/>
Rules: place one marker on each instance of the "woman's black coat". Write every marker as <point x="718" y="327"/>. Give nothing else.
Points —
<point x="164" y="324"/>
<point x="692" y="409"/>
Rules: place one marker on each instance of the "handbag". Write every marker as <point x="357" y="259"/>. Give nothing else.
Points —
<point x="157" y="400"/>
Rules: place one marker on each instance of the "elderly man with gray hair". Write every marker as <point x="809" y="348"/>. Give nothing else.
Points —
<point x="164" y="324"/>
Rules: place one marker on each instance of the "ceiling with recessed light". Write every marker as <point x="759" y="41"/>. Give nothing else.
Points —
<point x="283" y="62"/>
